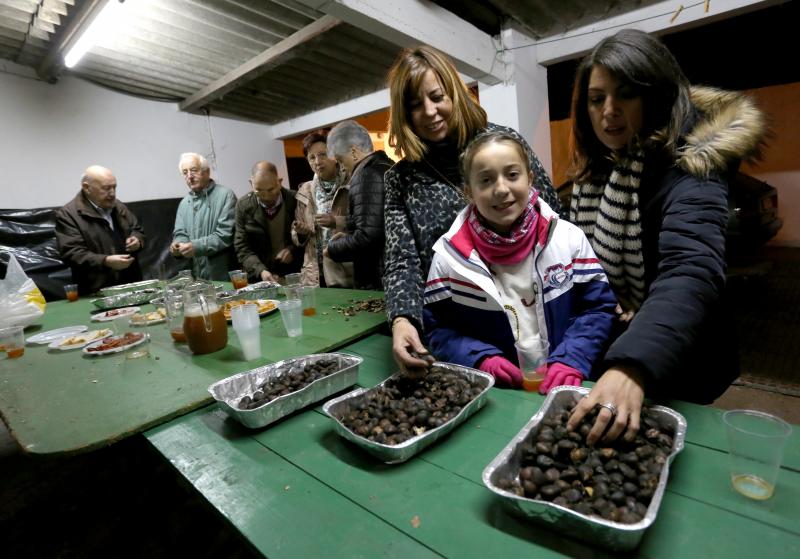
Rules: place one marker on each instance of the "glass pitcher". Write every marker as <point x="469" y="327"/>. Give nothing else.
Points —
<point x="204" y="323"/>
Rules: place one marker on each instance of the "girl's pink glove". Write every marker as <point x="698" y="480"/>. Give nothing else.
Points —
<point x="503" y="370"/>
<point x="559" y="374"/>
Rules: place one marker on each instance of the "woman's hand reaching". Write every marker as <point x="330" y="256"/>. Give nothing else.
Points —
<point x="406" y="347"/>
<point x="619" y="393"/>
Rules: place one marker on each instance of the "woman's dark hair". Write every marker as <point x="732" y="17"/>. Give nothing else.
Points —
<point x="644" y="64"/>
<point x="313" y="138"/>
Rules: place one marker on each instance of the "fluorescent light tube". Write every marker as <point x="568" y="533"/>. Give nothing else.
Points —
<point x="103" y="26"/>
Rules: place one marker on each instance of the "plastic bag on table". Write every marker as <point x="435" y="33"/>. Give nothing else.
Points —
<point x="21" y="302"/>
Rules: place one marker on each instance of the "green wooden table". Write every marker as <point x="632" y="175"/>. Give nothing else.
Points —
<point x="296" y="489"/>
<point x="57" y="402"/>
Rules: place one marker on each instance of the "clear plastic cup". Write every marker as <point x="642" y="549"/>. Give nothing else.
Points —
<point x="291" y="314"/>
<point x="247" y="325"/>
<point x="71" y="291"/>
<point x="292" y="292"/>
<point x="12" y="341"/>
<point x="756" y="441"/>
<point x="238" y="278"/>
<point x="292" y="279"/>
<point x="532" y="354"/>
<point x="140" y="350"/>
<point x="308" y="295"/>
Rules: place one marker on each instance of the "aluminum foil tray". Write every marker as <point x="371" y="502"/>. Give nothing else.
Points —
<point x="262" y="286"/>
<point x="261" y="290"/>
<point x="159" y="301"/>
<point x="126" y="299"/>
<point x="592" y="529"/>
<point x="394" y="454"/>
<point x="227" y="392"/>
<point x="129" y="287"/>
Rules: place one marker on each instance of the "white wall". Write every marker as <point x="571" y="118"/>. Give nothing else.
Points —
<point x="52" y="132"/>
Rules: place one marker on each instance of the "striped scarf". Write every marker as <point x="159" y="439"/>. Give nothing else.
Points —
<point x="609" y="216"/>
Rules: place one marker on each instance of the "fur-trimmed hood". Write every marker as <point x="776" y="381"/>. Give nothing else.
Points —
<point x="730" y="128"/>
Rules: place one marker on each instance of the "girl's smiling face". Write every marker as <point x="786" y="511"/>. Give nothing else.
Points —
<point x="499" y="184"/>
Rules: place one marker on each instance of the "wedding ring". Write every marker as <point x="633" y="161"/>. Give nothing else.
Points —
<point x="610" y="407"/>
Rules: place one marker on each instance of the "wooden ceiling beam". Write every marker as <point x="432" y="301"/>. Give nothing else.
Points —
<point x="256" y="65"/>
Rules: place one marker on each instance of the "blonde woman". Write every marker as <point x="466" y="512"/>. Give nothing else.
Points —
<point x="433" y="117"/>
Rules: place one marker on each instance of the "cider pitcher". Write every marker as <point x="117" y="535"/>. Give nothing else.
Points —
<point x="204" y="323"/>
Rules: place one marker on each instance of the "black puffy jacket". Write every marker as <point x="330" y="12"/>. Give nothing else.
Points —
<point x="363" y="243"/>
<point x="683" y="337"/>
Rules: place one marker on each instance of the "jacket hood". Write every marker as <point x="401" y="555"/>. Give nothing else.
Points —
<point x="731" y="128"/>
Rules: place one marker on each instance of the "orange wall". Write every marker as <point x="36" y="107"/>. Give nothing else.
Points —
<point x="780" y="166"/>
<point x="377" y="123"/>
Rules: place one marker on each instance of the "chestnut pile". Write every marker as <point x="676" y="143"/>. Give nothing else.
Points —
<point x="375" y="304"/>
<point x="405" y="407"/>
<point x="615" y="482"/>
<point x="291" y="381"/>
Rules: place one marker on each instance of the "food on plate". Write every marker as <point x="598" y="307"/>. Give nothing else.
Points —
<point x="264" y="306"/>
<point x="615" y="482"/>
<point x="85" y="337"/>
<point x="292" y="381"/>
<point x="115" y="312"/>
<point x="154" y="316"/>
<point x="118" y="341"/>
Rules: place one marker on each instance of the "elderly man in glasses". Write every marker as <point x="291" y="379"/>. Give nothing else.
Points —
<point x="204" y="223"/>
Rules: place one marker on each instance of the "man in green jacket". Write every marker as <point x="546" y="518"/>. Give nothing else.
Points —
<point x="204" y="223"/>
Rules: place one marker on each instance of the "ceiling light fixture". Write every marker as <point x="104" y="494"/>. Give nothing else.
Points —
<point x="103" y="26"/>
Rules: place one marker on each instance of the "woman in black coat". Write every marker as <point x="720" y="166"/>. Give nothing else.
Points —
<point x="349" y="143"/>
<point x="650" y="161"/>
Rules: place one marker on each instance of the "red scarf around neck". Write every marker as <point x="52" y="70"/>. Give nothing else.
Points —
<point x="512" y="248"/>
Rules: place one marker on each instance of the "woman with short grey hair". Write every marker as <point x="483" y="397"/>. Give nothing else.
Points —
<point x="350" y="144"/>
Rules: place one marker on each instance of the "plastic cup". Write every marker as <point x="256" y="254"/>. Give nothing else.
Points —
<point x="308" y="296"/>
<point x="291" y="313"/>
<point x="756" y="441"/>
<point x="292" y="292"/>
<point x="292" y="279"/>
<point x="532" y="354"/>
<point x="141" y="350"/>
<point x="173" y="303"/>
<point x="71" y="291"/>
<point x="247" y="325"/>
<point x="238" y="279"/>
<point x="12" y="341"/>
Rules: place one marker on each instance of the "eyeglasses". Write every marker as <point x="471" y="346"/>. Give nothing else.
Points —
<point x="312" y="157"/>
<point x="192" y="171"/>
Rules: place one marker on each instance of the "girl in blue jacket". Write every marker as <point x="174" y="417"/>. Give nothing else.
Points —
<point x="509" y="270"/>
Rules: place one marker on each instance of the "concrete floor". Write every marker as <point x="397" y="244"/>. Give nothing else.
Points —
<point x="785" y="406"/>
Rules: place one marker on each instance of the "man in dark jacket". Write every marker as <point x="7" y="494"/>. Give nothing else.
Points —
<point x="263" y="239"/>
<point x="350" y="144"/>
<point x="97" y="235"/>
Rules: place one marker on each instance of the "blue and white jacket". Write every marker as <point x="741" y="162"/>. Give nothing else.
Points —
<point x="463" y="313"/>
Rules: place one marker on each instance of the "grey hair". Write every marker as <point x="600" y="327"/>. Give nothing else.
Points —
<point x="203" y="162"/>
<point x="346" y="134"/>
